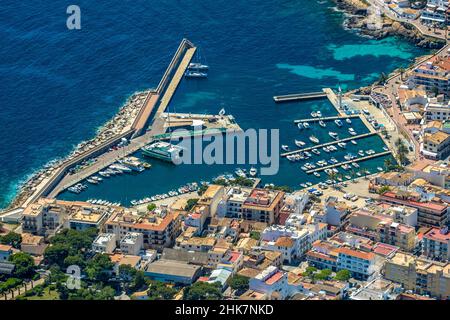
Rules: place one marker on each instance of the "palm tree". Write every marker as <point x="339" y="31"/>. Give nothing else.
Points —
<point x="332" y="176"/>
<point x="353" y="174"/>
<point x="388" y="164"/>
<point x="402" y="72"/>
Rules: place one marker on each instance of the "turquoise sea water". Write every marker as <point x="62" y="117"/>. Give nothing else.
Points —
<point x="59" y="86"/>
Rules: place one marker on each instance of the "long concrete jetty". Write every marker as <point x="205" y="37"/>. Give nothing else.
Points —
<point x="184" y="54"/>
<point x="173" y="85"/>
<point x="329" y="143"/>
<point x="300" y="96"/>
<point x="376" y="155"/>
<point x="327" y="118"/>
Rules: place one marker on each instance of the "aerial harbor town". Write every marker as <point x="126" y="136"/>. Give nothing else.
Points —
<point x="368" y="220"/>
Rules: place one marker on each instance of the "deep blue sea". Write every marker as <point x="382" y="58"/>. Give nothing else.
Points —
<point x="58" y="85"/>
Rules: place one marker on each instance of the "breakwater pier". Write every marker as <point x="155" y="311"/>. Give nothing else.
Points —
<point x="300" y="96"/>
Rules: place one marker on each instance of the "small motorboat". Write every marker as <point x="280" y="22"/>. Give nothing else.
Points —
<point x="253" y="171"/>
<point x="299" y="143"/>
<point x="353" y="142"/>
<point x="306" y="125"/>
<point x="285" y="147"/>
<point x="334" y="135"/>
<point x="348" y="120"/>
<point x="322" y="124"/>
<point x="314" y="139"/>
<point x="317" y="174"/>
<point x="300" y="125"/>
<point x="338" y="122"/>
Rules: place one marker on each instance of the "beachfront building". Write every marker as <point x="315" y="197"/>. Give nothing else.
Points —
<point x="433" y="74"/>
<point x="435" y="13"/>
<point x="88" y="216"/>
<point x="44" y="216"/>
<point x="206" y="207"/>
<point x="104" y="243"/>
<point x="159" y="228"/>
<point x="423" y="276"/>
<point x="436" y="244"/>
<point x="253" y="204"/>
<point x="430" y="213"/>
<point x="231" y="204"/>
<point x="394" y="179"/>
<point x="436" y="145"/>
<point x="436" y="112"/>
<point x="263" y="205"/>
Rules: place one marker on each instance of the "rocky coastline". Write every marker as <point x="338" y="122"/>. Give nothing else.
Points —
<point x="358" y="18"/>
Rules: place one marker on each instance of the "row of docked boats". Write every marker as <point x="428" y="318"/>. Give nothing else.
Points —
<point x="125" y="165"/>
<point x="242" y="173"/>
<point x="79" y="187"/>
<point x="104" y="202"/>
<point x="190" y="187"/>
<point x="306" y="125"/>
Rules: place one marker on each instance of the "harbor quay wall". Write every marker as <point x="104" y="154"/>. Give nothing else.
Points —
<point x="56" y="179"/>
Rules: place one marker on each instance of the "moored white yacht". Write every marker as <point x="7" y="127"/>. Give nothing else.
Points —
<point x="314" y="139"/>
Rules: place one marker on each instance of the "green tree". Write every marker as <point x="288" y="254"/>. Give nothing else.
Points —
<point x="132" y="278"/>
<point x="190" y="204"/>
<point x="10" y="283"/>
<point x="343" y="275"/>
<point x="23" y="265"/>
<point x="238" y="282"/>
<point x="309" y="271"/>
<point x="77" y="260"/>
<point x="383" y="189"/>
<point x="56" y="254"/>
<point x="383" y="78"/>
<point x="99" y="268"/>
<point x="201" y="190"/>
<point x="12" y="239"/>
<point x="203" y="291"/>
<point x="323" y="274"/>
<point x="151" y="206"/>
<point x="255" y="235"/>
<point x="160" y="291"/>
